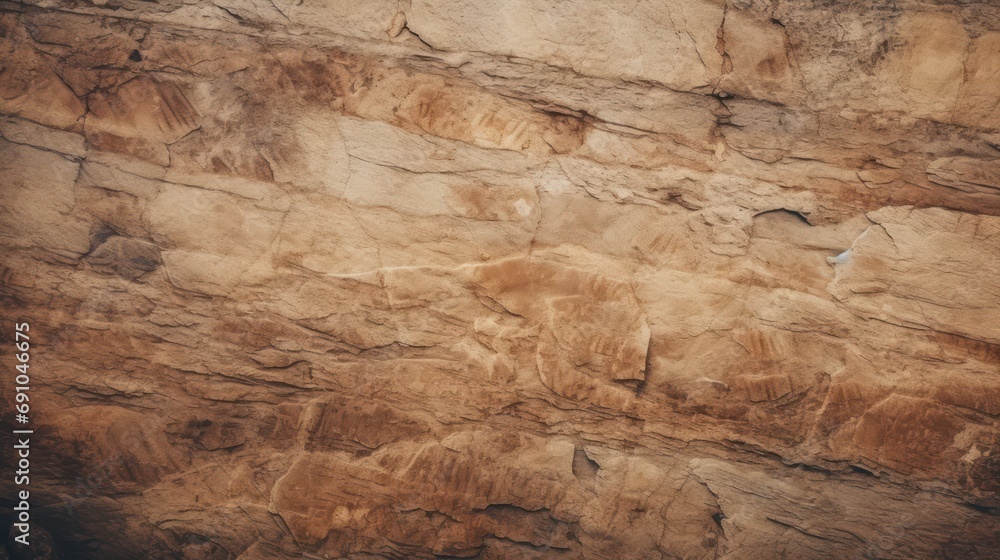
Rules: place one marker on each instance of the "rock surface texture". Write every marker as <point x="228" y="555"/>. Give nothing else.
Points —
<point x="699" y="279"/>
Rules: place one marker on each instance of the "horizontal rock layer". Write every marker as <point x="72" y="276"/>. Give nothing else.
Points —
<point x="524" y="280"/>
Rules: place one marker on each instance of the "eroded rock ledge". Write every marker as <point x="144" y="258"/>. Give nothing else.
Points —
<point x="520" y="280"/>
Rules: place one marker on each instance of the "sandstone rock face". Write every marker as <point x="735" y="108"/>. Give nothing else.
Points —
<point x="438" y="279"/>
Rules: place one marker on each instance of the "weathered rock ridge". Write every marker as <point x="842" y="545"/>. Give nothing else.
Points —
<point x="436" y="279"/>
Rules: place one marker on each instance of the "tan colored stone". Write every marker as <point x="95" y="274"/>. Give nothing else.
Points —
<point x="520" y="280"/>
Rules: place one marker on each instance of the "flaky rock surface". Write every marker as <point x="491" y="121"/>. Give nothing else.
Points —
<point x="687" y="279"/>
